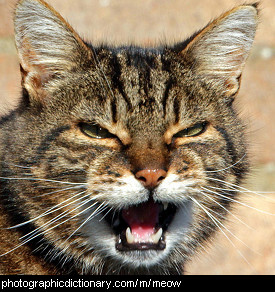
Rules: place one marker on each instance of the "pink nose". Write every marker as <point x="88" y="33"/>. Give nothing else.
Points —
<point x="150" y="178"/>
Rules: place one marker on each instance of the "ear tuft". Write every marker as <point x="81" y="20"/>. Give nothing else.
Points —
<point x="219" y="51"/>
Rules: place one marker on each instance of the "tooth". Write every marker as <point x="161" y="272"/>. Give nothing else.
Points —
<point x="156" y="236"/>
<point x="165" y="206"/>
<point x="129" y="236"/>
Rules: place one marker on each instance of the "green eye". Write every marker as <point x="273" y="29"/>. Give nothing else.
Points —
<point x="94" y="131"/>
<point x="195" y="130"/>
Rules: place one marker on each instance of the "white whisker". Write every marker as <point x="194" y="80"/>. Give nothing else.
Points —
<point x="238" y="188"/>
<point x="20" y="166"/>
<point x="97" y="211"/>
<point x="238" y="202"/>
<point x="223" y="169"/>
<point x="220" y="225"/>
<point x="110" y="209"/>
<point x="49" y="211"/>
<point x="231" y="232"/>
<point x="41" y="179"/>
<point x="64" y="213"/>
<point x="62" y="190"/>
<point x="229" y="212"/>
<point x="36" y="232"/>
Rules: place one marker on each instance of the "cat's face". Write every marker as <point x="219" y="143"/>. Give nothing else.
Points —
<point x="122" y="152"/>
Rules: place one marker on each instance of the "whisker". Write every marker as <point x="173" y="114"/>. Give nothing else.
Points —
<point x="220" y="225"/>
<point x="19" y="166"/>
<point x="15" y="248"/>
<point x="245" y="192"/>
<point x="49" y="211"/>
<point x="97" y="211"/>
<point x="240" y="188"/>
<point x="223" y="169"/>
<point x="238" y="202"/>
<point x="36" y="233"/>
<point x="61" y="190"/>
<point x="41" y="179"/>
<point x="228" y="211"/>
<point x="110" y="209"/>
<point x="66" y="212"/>
<point x="223" y="226"/>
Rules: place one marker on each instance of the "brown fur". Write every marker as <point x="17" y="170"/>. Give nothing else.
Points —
<point x="142" y="96"/>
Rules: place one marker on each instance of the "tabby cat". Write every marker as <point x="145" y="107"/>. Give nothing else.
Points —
<point x="120" y="160"/>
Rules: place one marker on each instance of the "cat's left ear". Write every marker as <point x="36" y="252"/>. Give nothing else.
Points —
<point x="217" y="54"/>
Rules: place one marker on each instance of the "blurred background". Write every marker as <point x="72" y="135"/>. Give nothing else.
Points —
<point x="246" y="245"/>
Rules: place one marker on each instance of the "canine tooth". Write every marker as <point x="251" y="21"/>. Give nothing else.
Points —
<point x="129" y="236"/>
<point x="165" y="206"/>
<point x="156" y="236"/>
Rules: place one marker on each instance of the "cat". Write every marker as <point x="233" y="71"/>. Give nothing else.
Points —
<point x="120" y="160"/>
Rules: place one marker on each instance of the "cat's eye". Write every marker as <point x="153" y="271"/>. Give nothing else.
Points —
<point x="195" y="130"/>
<point x="95" y="131"/>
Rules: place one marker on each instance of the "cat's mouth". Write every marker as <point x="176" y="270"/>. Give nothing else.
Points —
<point x="143" y="226"/>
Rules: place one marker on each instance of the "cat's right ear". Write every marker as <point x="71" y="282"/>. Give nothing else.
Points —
<point x="47" y="46"/>
<point x="217" y="54"/>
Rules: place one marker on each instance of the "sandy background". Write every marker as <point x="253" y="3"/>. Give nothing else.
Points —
<point x="247" y="244"/>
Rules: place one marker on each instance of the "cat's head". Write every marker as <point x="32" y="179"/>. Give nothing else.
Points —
<point x="129" y="157"/>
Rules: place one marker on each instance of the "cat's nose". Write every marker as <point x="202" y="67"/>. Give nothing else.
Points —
<point x="150" y="178"/>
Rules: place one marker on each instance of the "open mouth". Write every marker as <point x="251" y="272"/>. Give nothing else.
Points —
<point x="143" y="226"/>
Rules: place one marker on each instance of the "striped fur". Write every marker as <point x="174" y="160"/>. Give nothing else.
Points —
<point x="58" y="184"/>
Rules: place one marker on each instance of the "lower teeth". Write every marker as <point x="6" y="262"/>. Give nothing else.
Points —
<point x="152" y="238"/>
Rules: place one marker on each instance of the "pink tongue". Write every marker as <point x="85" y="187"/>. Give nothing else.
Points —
<point x="142" y="219"/>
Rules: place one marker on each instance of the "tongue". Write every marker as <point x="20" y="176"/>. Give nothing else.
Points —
<point x="142" y="219"/>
